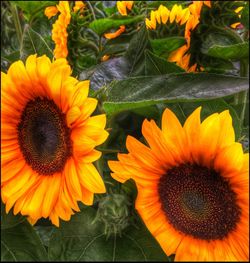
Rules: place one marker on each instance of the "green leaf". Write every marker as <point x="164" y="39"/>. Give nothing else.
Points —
<point x="34" y="43"/>
<point x="45" y="233"/>
<point x="143" y="91"/>
<point x="164" y="46"/>
<point x="135" y="53"/>
<point x="102" y="25"/>
<point x="21" y="243"/>
<point x="132" y="63"/>
<point x="9" y="220"/>
<point x="155" y="65"/>
<point x="104" y="73"/>
<point x="245" y="16"/>
<point x="235" y="52"/>
<point x="32" y="7"/>
<point x="82" y="240"/>
<point x="224" y="44"/>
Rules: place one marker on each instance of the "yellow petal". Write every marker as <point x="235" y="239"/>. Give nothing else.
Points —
<point x="87" y="196"/>
<point x="82" y="90"/>
<point x="72" y="179"/>
<point x="208" y="140"/>
<point x="192" y="129"/>
<point x="173" y="13"/>
<point x="73" y="115"/>
<point x="227" y="135"/>
<point x="229" y="159"/>
<point x="90" y="178"/>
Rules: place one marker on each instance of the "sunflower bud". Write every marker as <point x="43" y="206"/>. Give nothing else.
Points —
<point x="113" y="211"/>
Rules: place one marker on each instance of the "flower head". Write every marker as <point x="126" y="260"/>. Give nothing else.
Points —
<point x="193" y="186"/>
<point x="47" y="140"/>
<point x="181" y="55"/>
<point x="164" y="15"/>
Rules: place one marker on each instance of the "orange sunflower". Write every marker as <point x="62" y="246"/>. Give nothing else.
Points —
<point x="193" y="186"/>
<point x="47" y="140"/>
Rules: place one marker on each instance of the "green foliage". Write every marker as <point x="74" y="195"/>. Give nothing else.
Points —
<point x="164" y="46"/>
<point x="101" y="26"/>
<point x="234" y="52"/>
<point x="81" y="240"/>
<point x="21" y="243"/>
<point x="155" y="65"/>
<point x="245" y="16"/>
<point x="141" y="91"/>
<point x="34" y="43"/>
<point x="9" y="220"/>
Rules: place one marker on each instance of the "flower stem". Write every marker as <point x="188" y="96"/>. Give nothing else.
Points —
<point x="17" y="23"/>
<point x="241" y="97"/>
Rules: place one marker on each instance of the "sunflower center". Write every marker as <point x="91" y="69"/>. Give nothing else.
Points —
<point x="199" y="202"/>
<point x="44" y="137"/>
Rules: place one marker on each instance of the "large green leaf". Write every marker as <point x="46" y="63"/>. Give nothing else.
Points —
<point x="82" y="240"/>
<point x="102" y="25"/>
<point x="155" y="65"/>
<point x="234" y="52"/>
<point x="21" y="243"/>
<point x="9" y="220"/>
<point x="34" y="43"/>
<point x="143" y="91"/>
<point x="164" y="46"/>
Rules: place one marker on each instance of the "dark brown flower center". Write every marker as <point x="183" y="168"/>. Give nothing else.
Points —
<point x="44" y="137"/>
<point x="199" y="202"/>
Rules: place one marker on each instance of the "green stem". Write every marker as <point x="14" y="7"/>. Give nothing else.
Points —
<point x="91" y="9"/>
<point x="241" y="97"/>
<point x="88" y="43"/>
<point x="17" y="23"/>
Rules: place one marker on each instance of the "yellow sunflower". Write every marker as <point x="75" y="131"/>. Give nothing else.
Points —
<point x="162" y="15"/>
<point x="181" y="55"/>
<point x="193" y="186"/>
<point x="48" y="140"/>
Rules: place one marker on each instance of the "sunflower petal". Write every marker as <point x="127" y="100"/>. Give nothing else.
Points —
<point x="90" y="178"/>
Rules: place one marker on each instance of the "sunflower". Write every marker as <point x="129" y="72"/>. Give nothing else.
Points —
<point x="162" y="15"/>
<point x="188" y="16"/>
<point x="181" y="55"/>
<point x="48" y="140"/>
<point x="192" y="181"/>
